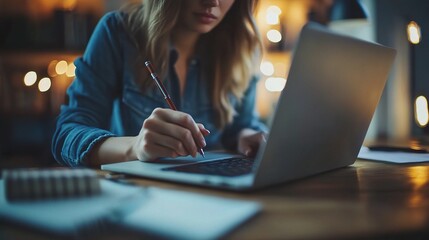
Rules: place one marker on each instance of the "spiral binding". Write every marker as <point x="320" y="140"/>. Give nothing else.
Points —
<point x="37" y="184"/>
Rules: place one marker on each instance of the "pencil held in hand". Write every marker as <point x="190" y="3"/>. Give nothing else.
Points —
<point x="165" y="93"/>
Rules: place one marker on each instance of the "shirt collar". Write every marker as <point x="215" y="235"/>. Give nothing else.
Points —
<point x="174" y="55"/>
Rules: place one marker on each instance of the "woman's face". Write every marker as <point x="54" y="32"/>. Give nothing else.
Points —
<point x="201" y="16"/>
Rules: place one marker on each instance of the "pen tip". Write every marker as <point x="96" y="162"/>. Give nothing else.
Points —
<point x="202" y="153"/>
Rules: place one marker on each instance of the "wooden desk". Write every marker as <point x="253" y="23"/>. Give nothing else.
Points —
<point x="365" y="200"/>
<point x="368" y="200"/>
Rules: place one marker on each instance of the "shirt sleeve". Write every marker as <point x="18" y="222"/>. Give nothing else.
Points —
<point x="246" y="117"/>
<point x="85" y="119"/>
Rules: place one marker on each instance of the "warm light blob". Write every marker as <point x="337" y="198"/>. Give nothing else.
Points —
<point x="272" y="16"/>
<point x="267" y="68"/>
<point x="275" y="84"/>
<point x="61" y="67"/>
<point x="274" y="36"/>
<point x="275" y="10"/>
<point x="51" y="68"/>
<point x="421" y="111"/>
<point x="30" y="78"/>
<point x="44" y="84"/>
<point x="71" y="70"/>
<point x="413" y="31"/>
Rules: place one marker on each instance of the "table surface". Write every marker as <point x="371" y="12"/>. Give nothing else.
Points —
<point x="365" y="200"/>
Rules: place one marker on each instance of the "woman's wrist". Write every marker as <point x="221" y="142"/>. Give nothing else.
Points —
<point x="130" y="153"/>
<point x="111" y="150"/>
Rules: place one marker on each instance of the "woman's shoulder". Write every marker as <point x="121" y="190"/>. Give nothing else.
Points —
<point x="113" y="19"/>
<point x="122" y="21"/>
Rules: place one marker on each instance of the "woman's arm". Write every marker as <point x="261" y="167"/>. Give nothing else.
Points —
<point x="111" y="150"/>
<point x="82" y="135"/>
<point x="85" y="120"/>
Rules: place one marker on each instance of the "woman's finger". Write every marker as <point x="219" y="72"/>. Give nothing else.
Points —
<point x="166" y="141"/>
<point x="182" y="119"/>
<point x="176" y="131"/>
<point x="154" y="151"/>
<point x="249" y="144"/>
<point x="203" y="129"/>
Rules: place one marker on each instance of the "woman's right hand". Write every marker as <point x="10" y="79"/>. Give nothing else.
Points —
<point x="169" y="133"/>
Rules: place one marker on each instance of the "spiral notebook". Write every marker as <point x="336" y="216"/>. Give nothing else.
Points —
<point x="39" y="184"/>
<point x="154" y="211"/>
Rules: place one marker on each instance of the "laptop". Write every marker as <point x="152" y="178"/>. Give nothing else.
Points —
<point x="320" y="122"/>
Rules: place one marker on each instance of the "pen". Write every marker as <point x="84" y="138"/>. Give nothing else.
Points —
<point x="164" y="92"/>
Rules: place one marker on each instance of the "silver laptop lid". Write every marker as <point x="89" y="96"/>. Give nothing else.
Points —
<point x="333" y="88"/>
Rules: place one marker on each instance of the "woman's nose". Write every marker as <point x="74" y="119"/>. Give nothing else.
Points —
<point x="210" y="3"/>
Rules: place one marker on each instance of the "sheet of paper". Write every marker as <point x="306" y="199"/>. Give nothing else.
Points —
<point x="393" y="157"/>
<point x="181" y="215"/>
<point x="165" y="213"/>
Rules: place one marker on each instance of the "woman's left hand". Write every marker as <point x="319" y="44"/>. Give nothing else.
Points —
<point x="249" y="141"/>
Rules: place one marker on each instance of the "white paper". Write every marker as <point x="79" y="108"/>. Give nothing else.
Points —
<point x="165" y="213"/>
<point x="181" y="215"/>
<point x="393" y="157"/>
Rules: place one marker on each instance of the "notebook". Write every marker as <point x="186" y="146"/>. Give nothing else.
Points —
<point x="69" y="216"/>
<point x="39" y="184"/>
<point x="323" y="113"/>
<point x="119" y="208"/>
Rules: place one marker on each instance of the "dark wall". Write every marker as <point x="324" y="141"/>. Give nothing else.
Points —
<point x="27" y="116"/>
<point x="392" y="17"/>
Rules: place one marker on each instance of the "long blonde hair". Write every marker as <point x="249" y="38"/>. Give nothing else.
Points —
<point x="228" y="62"/>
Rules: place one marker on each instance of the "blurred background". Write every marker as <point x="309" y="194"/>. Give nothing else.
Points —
<point x="40" y="39"/>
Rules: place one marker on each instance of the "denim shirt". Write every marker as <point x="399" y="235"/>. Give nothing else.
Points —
<point x="105" y="101"/>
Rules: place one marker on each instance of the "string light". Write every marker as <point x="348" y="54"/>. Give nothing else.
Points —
<point x="30" y="78"/>
<point x="272" y="16"/>
<point x="267" y="68"/>
<point x="51" y="68"/>
<point x="414" y="34"/>
<point x="275" y="84"/>
<point x="44" y="84"/>
<point x="61" y="67"/>
<point x="70" y="70"/>
<point x="421" y="111"/>
<point x="274" y="36"/>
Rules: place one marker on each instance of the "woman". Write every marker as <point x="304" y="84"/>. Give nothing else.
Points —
<point x="204" y="51"/>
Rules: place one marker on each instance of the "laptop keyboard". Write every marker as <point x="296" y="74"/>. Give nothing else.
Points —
<point x="225" y="167"/>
